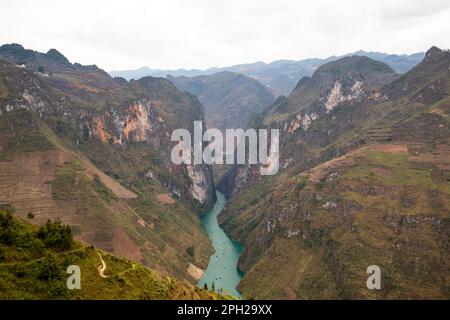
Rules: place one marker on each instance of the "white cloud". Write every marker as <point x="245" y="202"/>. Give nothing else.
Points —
<point x="202" y="33"/>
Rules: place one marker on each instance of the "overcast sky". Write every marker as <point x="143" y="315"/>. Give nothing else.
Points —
<point x="172" y="34"/>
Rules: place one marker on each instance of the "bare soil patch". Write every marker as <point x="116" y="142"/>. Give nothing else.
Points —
<point x="382" y="172"/>
<point x="114" y="186"/>
<point x="165" y="198"/>
<point x="123" y="246"/>
<point x="25" y="183"/>
<point x="194" y="271"/>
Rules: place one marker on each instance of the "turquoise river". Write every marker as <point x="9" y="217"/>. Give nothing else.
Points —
<point x="222" y="269"/>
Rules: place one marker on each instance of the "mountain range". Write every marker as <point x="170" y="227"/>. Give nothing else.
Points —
<point x="86" y="177"/>
<point x="365" y="181"/>
<point x="281" y="75"/>
<point x="229" y="98"/>
<point x="94" y="151"/>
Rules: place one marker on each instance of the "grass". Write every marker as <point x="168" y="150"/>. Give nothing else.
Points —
<point x="31" y="269"/>
<point x="21" y="133"/>
<point x="398" y="170"/>
<point x="332" y="249"/>
<point x="174" y="227"/>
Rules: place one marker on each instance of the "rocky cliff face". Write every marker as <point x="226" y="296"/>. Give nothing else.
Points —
<point x="138" y="121"/>
<point x="363" y="176"/>
<point x="112" y="179"/>
<point x="230" y="100"/>
<point x="349" y="82"/>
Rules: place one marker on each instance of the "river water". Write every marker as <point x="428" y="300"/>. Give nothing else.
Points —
<point x="222" y="268"/>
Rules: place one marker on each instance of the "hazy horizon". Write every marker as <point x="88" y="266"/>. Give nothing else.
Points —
<point x="268" y="62"/>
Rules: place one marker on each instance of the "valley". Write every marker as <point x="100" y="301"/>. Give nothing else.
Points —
<point x="222" y="272"/>
<point x="363" y="179"/>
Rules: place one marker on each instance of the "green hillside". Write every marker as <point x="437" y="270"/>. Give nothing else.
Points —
<point x="34" y="262"/>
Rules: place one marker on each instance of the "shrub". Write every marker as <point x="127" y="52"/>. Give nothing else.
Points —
<point x="49" y="269"/>
<point x="7" y="227"/>
<point x="190" y="250"/>
<point x="56" y="235"/>
<point x="2" y="254"/>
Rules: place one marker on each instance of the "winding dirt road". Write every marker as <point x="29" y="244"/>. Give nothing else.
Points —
<point x="102" y="267"/>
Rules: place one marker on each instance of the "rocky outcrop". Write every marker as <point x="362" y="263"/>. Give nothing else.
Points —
<point x="373" y="156"/>
<point x="141" y="121"/>
<point x="346" y="83"/>
<point x="97" y="155"/>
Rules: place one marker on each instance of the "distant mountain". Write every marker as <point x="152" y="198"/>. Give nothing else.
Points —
<point x="400" y="63"/>
<point x="229" y="98"/>
<point x="146" y="71"/>
<point x="281" y="75"/>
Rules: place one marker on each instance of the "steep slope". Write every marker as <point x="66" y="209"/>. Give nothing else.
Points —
<point x="365" y="182"/>
<point x="34" y="263"/>
<point x="96" y="153"/>
<point x="347" y="83"/>
<point x="229" y="98"/>
<point x="230" y="101"/>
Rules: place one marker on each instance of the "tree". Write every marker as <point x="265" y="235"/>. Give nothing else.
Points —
<point x="2" y="254"/>
<point x="49" y="269"/>
<point x="191" y="251"/>
<point x="56" y="235"/>
<point x="213" y="287"/>
<point x="8" y="230"/>
<point x="205" y="286"/>
<point x="30" y="215"/>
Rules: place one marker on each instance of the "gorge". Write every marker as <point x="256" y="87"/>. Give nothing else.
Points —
<point x="222" y="272"/>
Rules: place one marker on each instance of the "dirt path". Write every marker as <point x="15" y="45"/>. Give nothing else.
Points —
<point x="102" y="267"/>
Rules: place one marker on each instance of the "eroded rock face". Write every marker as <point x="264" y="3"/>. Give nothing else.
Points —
<point x="199" y="186"/>
<point x="341" y="171"/>
<point x="140" y="121"/>
<point x="347" y="83"/>
<point x="299" y="121"/>
<point x="337" y="96"/>
<point x="134" y="124"/>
